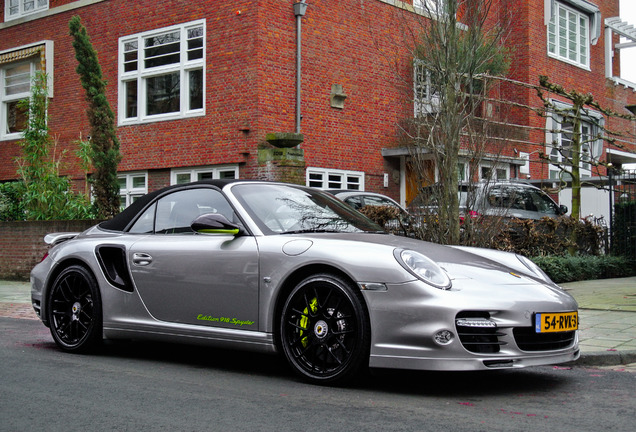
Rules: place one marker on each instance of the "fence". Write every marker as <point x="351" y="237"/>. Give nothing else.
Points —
<point x="622" y="187"/>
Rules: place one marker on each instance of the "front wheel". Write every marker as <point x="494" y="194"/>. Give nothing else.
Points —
<point x="75" y="310"/>
<point x="324" y="329"/>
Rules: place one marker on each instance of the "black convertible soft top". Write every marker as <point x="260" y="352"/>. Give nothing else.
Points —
<point x="121" y="221"/>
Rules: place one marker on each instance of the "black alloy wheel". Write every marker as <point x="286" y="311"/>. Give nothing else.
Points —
<point x="325" y="331"/>
<point x="75" y="310"/>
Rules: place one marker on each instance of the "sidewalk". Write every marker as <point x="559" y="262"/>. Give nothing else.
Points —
<point x="607" y="316"/>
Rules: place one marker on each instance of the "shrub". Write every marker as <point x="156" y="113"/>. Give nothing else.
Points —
<point x="390" y="218"/>
<point x="45" y="194"/>
<point x="11" y="205"/>
<point x="584" y="267"/>
<point x="550" y="236"/>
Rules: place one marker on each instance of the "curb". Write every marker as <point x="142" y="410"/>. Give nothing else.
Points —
<point x="605" y="358"/>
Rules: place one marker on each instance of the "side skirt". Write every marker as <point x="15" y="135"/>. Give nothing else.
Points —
<point x="180" y="333"/>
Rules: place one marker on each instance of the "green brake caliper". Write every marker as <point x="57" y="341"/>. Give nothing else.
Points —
<point x="304" y="321"/>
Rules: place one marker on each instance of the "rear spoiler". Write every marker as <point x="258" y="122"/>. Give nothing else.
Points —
<point x="56" y="238"/>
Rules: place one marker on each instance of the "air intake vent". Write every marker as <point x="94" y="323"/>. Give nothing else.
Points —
<point x="498" y="363"/>
<point x="478" y="334"/>
<point x="528" y="340"/>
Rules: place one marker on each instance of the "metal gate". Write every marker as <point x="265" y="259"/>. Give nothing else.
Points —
<point x="622" y="186"/>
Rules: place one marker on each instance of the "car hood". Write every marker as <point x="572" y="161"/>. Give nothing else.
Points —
<point x="481" y="274"/>
<point x="497" y="267"/>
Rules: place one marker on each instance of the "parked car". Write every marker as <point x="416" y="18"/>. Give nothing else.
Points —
<point x="274" y="267"/>
<point x="502" y="198"/>
<point x="359" y="199"/>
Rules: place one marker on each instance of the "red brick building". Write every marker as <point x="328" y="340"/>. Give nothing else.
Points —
<point x="204" y="89"/>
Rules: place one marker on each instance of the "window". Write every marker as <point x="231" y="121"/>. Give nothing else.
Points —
<point x="335" y="179"/>
<point x="560" y="131"/>
<point x="16" y="85"/>
<point x="461" y="171"/>
<point x="182" y="176"/>
<point x="434" y="7"/>
<point x="488" y="172"/>
<point x="18" y="67"/>
<point x="561" y="154"/>
<point x="425" y="95"/>
<point x="372" y="200"/>
<point x="14" y="9"/>
<point x="161" y="74"/>
<point x="568" y="35"/>
<point x="174" y="213"/>
<point x="131" y="187"/>
<point x="521" y="198"/>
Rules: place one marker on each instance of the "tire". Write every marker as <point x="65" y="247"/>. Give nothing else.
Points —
<point x="75" y="310"/>
<point x="324" y="330"/>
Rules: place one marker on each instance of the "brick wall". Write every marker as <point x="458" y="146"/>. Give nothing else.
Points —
<point x="250" y="82"/>
<point x="22" y="245"/>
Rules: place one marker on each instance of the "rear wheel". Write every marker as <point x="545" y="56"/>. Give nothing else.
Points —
<point x="75" y="310"/>
<point x="324" y="329"/>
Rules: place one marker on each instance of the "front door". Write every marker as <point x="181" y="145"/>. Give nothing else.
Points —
<point x="191" y="278"/>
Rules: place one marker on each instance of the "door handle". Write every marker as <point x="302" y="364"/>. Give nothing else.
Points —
<point x="141" y="259"/>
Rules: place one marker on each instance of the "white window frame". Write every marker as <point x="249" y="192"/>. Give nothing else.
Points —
<point x="498" y="172"/>
<point x="432" y="8"/>
<point x="425" y="99"/>
<point x="462" y="171"/>
<point x="587" y="145"/>
<point x="560" y="38"/>
<point x="129" y="193"/>
<point x="5" y="99"/>
<point x="194" y="173"/>
<point x="322" y="178"/>
<point x="14" y="9"/>
<point x="139" y="77"/>
<point x="36" y="55"/>
<point x="592" y="120"/>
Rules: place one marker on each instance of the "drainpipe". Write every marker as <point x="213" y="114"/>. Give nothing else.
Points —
<point x="299" y="10"/>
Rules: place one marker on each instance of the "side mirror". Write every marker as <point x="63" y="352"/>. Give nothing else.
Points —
<point x="563" y="209"/>
<point x="214" y="223"/>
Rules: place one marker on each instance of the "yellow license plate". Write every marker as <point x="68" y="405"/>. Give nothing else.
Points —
<point x="556" y="322"/>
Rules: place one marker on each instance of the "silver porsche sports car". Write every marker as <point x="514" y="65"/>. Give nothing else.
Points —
<point x="276" y="267"/>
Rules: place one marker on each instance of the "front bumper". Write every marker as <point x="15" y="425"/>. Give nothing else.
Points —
<point x="405" y="319"/>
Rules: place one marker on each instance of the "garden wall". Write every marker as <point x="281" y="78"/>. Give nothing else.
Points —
<point x="22" y="244"/>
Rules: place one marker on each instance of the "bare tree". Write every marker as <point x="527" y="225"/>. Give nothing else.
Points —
<point x="456" y="42"/>
<point x="579" y="130"/>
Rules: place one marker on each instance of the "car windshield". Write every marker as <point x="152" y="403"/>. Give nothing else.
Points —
<point x="285" y="209"/>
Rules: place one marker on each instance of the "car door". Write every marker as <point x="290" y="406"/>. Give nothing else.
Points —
<point x="191" y="278"/>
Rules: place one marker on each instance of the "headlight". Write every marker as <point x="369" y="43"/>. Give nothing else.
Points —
<point x="534" y="268"/>
<point x="423" y="268"/>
